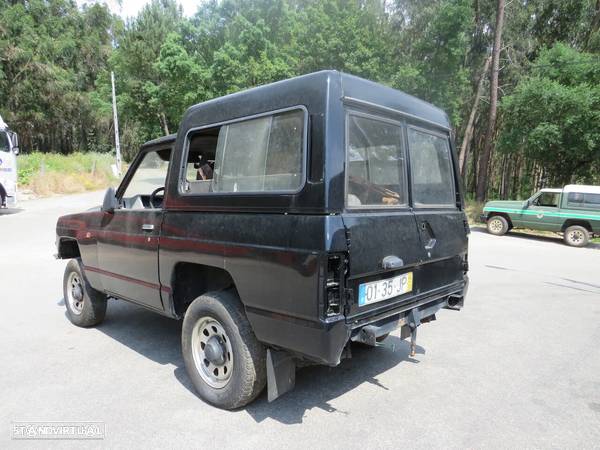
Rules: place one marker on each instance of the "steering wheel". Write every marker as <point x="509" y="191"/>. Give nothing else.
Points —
<point x="153" y="196"/>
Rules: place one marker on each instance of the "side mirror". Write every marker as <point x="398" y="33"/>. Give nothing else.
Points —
<point x="110" y="202"/>
<point x="526" y="204"/>
<point x="14" y="137"/>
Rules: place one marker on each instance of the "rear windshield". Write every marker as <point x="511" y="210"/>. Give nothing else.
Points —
<point x="376" y="163"/>
<point x="431" y="169"/>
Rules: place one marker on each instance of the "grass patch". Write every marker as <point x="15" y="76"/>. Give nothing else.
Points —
<point x="50" y="173"/>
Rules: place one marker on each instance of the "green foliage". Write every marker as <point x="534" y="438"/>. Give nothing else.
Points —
<point x="553" y="117"/>
<point x="56" y="60"/>
<point x="36" y="164"/>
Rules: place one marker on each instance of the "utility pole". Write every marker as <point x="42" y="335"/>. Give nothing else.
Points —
<point x="116" y="121"/>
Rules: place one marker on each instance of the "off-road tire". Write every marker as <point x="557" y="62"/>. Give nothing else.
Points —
<point x="248" y="377"/>
<point x="576" y="236"/>
<point x="497" y="225"/>
<point x="94" y="302"/>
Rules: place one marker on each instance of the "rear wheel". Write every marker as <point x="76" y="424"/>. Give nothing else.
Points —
<point x="86" y="306"/>
<point x="576" y="236"/>
<point x="222" y="356"/>
<point x="497" y="225"/>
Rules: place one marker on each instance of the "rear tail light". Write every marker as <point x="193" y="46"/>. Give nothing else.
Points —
<point x="335" y="274"/>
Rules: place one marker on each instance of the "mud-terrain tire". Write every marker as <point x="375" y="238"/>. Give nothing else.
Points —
<point x="497" y="225"/>
<point x="222" y="356"/>
<point x="576" y="236"/>
<point x="85" y="305"/>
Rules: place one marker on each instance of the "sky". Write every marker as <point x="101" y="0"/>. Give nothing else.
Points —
<point x="130" y="8"/>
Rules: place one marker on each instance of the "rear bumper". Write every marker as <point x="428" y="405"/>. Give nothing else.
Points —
<point x="483" y="217"/>
<point x="324" y="341"/>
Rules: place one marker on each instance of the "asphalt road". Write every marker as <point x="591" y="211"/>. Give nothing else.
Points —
<point x="519" y="366"/>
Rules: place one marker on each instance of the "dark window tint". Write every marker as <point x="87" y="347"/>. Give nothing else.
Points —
<point x="575" y="199"/>
<point x="376" y="163"/>
<point x="431" y="169"/>
<point x="592" y="201"/>
<point x="4" y="144"/>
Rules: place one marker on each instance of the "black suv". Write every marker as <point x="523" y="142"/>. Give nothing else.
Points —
<point x="281" y="224"/>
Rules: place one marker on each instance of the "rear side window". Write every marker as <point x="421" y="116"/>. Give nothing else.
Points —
<point x="375" y="163"/>
<point x="581" y="200"/>
<point x="263" y="154"/>
<point x="431" y="169"/>
<point x="255" y="155"/>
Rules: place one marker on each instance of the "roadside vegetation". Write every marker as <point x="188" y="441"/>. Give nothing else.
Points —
<point x="520" y="80"/>
<point x="46" y="174"/>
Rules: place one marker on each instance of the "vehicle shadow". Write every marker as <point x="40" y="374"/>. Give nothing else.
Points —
<point x="9" y="211"/>
<point x="158" y="338"/>
<point x="317" y="386"/>
<point x="523" y="235"/>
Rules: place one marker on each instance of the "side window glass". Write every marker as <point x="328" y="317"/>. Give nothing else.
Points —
<point x="376" y="163"/>
<point x="548" y="199"/>
<point x="150" y="174"/>
<point x="592" y="201"/>
<point x="575" y="199"/>
<point x="256" y="155"/>
<point x="431" y="169"/>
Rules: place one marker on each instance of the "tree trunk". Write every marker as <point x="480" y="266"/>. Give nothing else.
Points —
<point x="163" y="122"/>
<point x="468" y="136"/>
<point x="484" y="161"/>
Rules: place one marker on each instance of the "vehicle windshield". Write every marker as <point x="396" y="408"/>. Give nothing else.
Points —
<point x="4" y="142"/>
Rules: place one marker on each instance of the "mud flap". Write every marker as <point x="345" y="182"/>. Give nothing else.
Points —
<point x="281" y="373"/>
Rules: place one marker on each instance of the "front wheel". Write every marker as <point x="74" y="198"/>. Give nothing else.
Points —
<point x="222" y="356"/>
<point x="576" y="236"/>
<point x="86" y="306"/>
<point x="497" y="225"/>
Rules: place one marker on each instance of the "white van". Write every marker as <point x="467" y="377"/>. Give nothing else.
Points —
<point x="9" y="149"/>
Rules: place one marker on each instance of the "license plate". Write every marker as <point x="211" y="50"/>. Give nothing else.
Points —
<point x="378" y="291"/>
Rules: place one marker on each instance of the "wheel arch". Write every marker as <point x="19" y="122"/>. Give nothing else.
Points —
<point x="581" y="222"/>
<point x="191" y="280"/>
<point x="68" y="248"/>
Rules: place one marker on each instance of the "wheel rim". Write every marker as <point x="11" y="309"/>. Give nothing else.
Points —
<point x="576" y="237"/>
<point x="75" y="293"/>
<point x="212" y="352"/>
<point x="496" y="225"/>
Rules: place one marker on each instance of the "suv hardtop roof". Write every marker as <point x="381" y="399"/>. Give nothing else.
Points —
<point x="313" y="91"/>
<point x="582" y="188"/>
<point x="161" y="141"/>
<point x="553" y="190"/>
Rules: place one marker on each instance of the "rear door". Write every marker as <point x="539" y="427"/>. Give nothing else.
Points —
<point x="381" y="229"/>
<point x="418" y="247"/>
<point x="441" y="222"/>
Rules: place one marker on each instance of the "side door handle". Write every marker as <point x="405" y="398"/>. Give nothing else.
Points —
<point x="430" y="234"/>
<point x="148" y="227"/>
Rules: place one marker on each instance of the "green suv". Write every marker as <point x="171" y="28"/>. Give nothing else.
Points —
<point x="573" y="211"/>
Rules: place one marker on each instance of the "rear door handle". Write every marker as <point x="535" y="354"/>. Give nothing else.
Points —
<point x="148" y="227"/>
